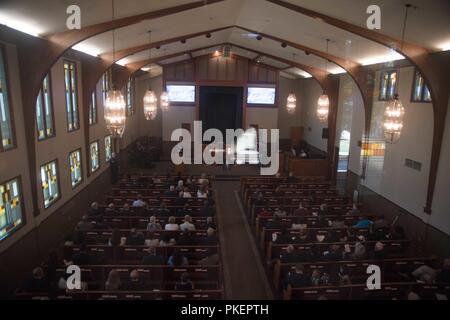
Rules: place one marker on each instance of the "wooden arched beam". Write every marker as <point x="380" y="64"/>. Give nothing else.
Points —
<point x="434" y="69"/>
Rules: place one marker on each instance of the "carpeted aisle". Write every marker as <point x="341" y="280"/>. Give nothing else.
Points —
<point x="244" y="274"/>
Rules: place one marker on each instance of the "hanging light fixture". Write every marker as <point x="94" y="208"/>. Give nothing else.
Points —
<point x="115" y="106"/>
<point x="323" y="103"/>
<point x="291" y="103"/>
<point x="164" y="98"/>
<point x="150" y="101"/>
<point x="393" y="120"/>
<point x="394" y="110"/>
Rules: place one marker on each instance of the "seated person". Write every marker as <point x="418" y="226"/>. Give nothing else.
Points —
<point x="153" y="258"/>
<point x="211" y="238"/>
<point x="180" y="185"/>
<point x="172" y="225"/>
<point x="301" y="210"/>
<point x="84" y="224"/>
<point x="378" y="251"/>
<point x="94" y="210"/>
<point x="37" y="283"/>
<point x="275" y="223"/>
<point x="297" y="278"/>
<point x="135" y="238"/>
<point x="125" y="209"/>
<point x="177" y="259"/>
<point x="187" y="225"/>
<point x="185" y="283"/>
<point x="110" y="210"/>
<point x="380" y="222"/>
<point x="323" y="210"/>
<point x="172" y="192"/>
<point x="167" y="241"/>
<point x="185" y="194"/>
<point x="162" y="209"/>
<point x="363" y="223"/>
<point x="211" y="258"/>
<point x="134" y="283"/>
<point x="334" y="254"/>
<point x="113" y="283"/>
<point x="139" y="203"/>
<point x="303" y="154"/>
<point x="153" y="225"/>
<point x="290" y="255"/>
<point x="203" y="180"/>
<point x="202" y="193"/>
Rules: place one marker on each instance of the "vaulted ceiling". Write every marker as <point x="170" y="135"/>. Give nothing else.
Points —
<point x="428" y="26"/>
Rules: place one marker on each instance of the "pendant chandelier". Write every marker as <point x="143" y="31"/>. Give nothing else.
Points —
<point x="291" y="101"/>
<point x="115" y="106"/>
<point x="150" y="101"/>
<point x="323" y="103"/>
<point x="164" y="101"/>
<point x="393" y="120"/>
<point x="394" y="110"/>
<point x="164" y="98"/>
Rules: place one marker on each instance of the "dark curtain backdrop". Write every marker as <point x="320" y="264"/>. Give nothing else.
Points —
<point x="221" y="107"/>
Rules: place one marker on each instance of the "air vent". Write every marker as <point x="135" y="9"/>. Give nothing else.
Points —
<point x="413" y="164"/>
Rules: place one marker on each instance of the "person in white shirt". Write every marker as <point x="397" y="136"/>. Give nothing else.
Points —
<point x="187" y="225"/>
<point x="203" y="180"/>
<point x="186" y="193"/>
<point x="139" y="202"/>
<point x="171" y="225"/>
<point x="201" y="193"/>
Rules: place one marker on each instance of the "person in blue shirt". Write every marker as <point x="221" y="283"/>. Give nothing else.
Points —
<point x="363" y="223"/>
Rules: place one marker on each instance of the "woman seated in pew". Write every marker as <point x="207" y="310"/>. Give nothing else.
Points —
<point x="319" y="278"/>
<point x="297" y="278"/>
<point x="153" y="225"/>
<point x="186" y="194"/>
<point x="185" y="283"/>
<point x="172" y="225"/>
<point x="202" y="192"/>
<point x="323" y="209"/>
<point x="113" y="283"/>
<point x="177" y="259"/>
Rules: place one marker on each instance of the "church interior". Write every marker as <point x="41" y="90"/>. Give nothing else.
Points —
<point x="225" y="150"/>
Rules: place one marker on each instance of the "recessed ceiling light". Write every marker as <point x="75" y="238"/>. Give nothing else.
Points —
<point x="208" y="35"/>
<point x="183" y="41"/>
<point x="283" y="45"/>
<point x="258" y="37"/>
